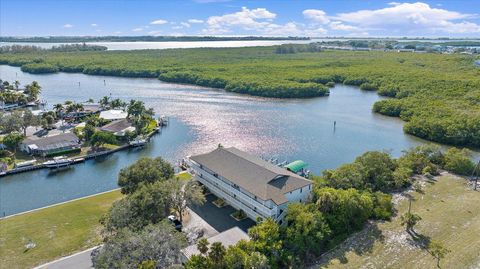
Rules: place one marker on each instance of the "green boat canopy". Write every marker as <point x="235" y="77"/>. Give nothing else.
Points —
<point x="296" y="166"/>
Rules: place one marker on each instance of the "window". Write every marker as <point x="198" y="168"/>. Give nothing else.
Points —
<point x="301" y="189"/>
<point x="215" y="175"/>
<point x="300" y="200"/>
<point x="309" y="187"/>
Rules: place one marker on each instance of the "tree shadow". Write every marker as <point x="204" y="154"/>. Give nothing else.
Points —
<point x="418" y="240"/>
<point x="360" y="243"/>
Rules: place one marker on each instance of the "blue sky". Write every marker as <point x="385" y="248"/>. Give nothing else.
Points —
<point x="454" y="18"/>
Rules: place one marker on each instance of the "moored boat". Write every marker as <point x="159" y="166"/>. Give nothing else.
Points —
<point x="57" y="162"/>
<point x="138" y="142"/>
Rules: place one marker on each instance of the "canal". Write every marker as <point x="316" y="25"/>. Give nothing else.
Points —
<point x="200" y="119"/>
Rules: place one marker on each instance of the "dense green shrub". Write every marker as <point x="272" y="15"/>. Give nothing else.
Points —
<point x="458" y="161"/>
<point x="39" y="68"/>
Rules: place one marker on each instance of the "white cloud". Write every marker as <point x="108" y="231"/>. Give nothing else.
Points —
<point x="159" y="22"/>
<point x="185" y="24"/>
<point x="118" y="32"/>
<point x="396" y="19"/>
<point x="193" y="21"/>
<point x="316" y="15"/>
<point x="68" y="25"/>
<point x="418" y="18"/>
<point x="287" y="29"/>
<point x="94" y="25"/>
<point x="246" y="19"/>
<point x="338" y="25"/>
<point x="139" y="29"/>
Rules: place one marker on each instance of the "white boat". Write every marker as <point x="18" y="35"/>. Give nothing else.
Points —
<point x="25" y="164"/>
<point x="59" y="161"/>
<point x="138" y="142"/>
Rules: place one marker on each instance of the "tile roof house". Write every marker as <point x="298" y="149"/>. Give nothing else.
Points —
<point x="246" y="182"/>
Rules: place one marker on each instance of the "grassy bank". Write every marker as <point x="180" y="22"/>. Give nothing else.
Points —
<point x="56" y="231"/>
<point x="449" y="211"/>
<point x="438" y="95"/>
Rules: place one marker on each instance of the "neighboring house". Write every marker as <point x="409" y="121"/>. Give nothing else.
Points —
<point x="88" y="109"/>
<point x="227" y="238"/>
<point x="113" y="114"/>
<point x="259" y="188"/>
<point x="44" y="146"/>
<point x="118" y="127"/>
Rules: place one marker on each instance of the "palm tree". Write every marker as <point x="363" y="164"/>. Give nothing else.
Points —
<point x="16" y="83"/>
<point x="104" y="101"/>
<point x="59" y="111"/>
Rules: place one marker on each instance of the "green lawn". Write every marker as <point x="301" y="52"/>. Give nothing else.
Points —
<point x="57" y="231"/>
<point x="184" y="176"/>
<point x="450" y="214"/>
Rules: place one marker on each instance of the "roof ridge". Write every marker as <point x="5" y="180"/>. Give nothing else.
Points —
<point x="268" y="168"/>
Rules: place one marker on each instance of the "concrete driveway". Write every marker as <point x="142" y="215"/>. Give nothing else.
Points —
<point x="219" y="218"/>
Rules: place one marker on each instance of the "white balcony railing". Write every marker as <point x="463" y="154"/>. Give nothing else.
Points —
<point x="230" y="190"/>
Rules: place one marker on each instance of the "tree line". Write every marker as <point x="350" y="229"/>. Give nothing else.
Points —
<point x="436" y="94"/>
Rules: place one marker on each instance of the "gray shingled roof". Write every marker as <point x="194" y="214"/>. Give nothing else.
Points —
<point x="257" y="176"/>
<point x="53" y="142"/>
<point x="116" y="126"/>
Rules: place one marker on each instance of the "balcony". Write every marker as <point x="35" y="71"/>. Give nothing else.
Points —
<point x="232" y="192"/>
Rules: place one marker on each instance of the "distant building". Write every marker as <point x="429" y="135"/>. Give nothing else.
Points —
<point x="113" y="114"/>
<point x="45" y="146"/>
<point x="259" y="188"/>
<point x="118" y="127"/>
<point x="227" y="238"/>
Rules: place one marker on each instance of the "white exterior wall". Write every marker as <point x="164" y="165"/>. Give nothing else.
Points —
<point x="239" y="198"/>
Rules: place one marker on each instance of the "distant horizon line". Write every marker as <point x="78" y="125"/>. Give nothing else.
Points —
<point x="241" y="36"/>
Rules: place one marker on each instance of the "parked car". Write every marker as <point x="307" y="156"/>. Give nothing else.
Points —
<point x="175" y="222"/>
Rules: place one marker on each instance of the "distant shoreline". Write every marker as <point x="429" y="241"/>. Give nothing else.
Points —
<point x="76" y="39"/>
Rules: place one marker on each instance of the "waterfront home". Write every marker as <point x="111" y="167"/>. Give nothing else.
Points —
<point x="50" y="145"/>
<point x="257" y="187"/>
<point x="118" y="127"/>
<point x="113" y="114"/>
<point x="87" y="110"/>
<point x="228" y="238"/>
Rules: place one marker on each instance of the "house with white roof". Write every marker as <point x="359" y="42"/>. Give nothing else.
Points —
<point x="113" y="114"/>
<point x="248" y="183"/>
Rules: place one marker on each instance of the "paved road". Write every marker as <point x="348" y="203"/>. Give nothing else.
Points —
<point x="79" y="260"/>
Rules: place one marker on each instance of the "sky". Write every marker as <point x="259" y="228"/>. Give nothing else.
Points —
<point x="314" y="18"/>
